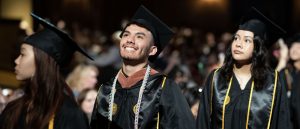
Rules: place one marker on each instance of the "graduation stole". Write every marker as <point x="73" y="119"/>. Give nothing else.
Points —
<point x="263" y="101"/>
<point x="162" y="86"/>
<point x="138" y="105"/>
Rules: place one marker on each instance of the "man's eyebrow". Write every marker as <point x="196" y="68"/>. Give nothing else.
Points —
<point x="248" y="37"/>
<point x="126" y="31"/>
<point x="141" y="33"/>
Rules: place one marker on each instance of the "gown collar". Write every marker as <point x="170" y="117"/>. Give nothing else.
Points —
<point x="128" y="81"/>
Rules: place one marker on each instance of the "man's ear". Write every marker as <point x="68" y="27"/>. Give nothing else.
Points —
<point x="153" y="50"/>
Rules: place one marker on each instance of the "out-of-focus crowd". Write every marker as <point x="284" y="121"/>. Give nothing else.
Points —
<point x="188" y="59"/>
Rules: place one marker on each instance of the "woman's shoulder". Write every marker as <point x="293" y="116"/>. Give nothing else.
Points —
<point x="69" y="104"/>
<point x="273" y="78"/>
<point x="214" y="73"/>
<point x="69" y="108"/>
<point x="271" y="73"/>
<point x="70" y="116"/>
<point x="70" y="111"/>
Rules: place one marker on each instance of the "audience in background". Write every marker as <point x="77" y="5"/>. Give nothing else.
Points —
<point x="82" y="77"/>
<point x="86" y="100"/>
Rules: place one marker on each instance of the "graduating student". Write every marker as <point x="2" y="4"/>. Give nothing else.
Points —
<point x="295" y="94"/>
<point x="245" y="93"/>
<point x="48" y="102"/>
<point x="291" y="77"/>
<point x="139" y="97"/>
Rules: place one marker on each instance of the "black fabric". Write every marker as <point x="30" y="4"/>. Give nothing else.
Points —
<point x="255" y="26"/>
<point x="168" y="101"/>
<point x="295" y="96"/>
<point x="58" y="44"/>
<point x="236" y="110"/>
<point x="294" y="39"/>
<point x="256" y="22"/>
<point x="69" y="116"/>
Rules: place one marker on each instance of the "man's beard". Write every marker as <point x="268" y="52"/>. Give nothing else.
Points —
<point x="129" y="58"/>
<point x="134" y="60"/>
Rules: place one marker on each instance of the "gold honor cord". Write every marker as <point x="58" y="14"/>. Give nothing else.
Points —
<point x="274" y="94"/>
<point x="157" y="124"/>
<point x="51" y="123"/>
<point x="224" y="103"/>
<point x="249" y="104"/>
<point x="227" y="99"/>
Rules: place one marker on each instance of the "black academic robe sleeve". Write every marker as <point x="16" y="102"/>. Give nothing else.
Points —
<point x="70" y="116"/>
<point x="295" y="100"/>
<point x="281" y="112"/>
<point x="174" y="109"/>
<point x="203" y="117"/>
<point x="1" y="121"/>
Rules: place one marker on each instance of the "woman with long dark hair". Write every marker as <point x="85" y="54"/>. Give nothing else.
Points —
<point x="48" y="102"/>
<point x="245" y="92"/>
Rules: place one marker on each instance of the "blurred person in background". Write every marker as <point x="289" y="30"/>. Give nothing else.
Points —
<point x="47" y="102"/>
<point x="295" y="74"/>
<point x="3" y="100"/>
<point x="210" y="44"/>
<point x="86" y="100"/>
<point x="245" y="92"/>
<point x="13" y="94"/>
<point x="289" y="66"/>
<point x="111" y="55"/>
<point x="107" y="57"/>
<point x="7" y="95"/>
<point x="82" y="77"/>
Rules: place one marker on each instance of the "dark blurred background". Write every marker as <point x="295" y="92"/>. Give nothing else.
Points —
<point x="94" y="21"/>
<point x="204" y="29"/>
<point x="208" y="15"/>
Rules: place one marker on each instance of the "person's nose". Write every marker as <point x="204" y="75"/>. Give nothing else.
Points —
<point x="130" y="39"/>
<point x="239" y="44"/>
<point x="17" y="60"/>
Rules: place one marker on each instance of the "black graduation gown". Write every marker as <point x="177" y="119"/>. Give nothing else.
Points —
<point x="69" y="116"/>
<point x="210" y="112"/>
<point x="285" y="75"/>
<point x="295" y="100"/>
<point x="168" y="101"/>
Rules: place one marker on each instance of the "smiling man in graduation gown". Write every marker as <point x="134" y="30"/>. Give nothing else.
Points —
<point x="140" y="97"/>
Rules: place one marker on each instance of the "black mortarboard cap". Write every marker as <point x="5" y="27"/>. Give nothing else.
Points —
<point x="162" y="34"/>
<point x="58" y="44"/>
<point x="256" y="22"/>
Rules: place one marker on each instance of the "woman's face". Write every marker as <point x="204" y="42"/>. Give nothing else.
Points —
<point x="25" y="64"/>
<point x="294" y="51"/>
<point x="242" y="46"/>
<point x="88" y="78"/>
<point x="88" y="103"/>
